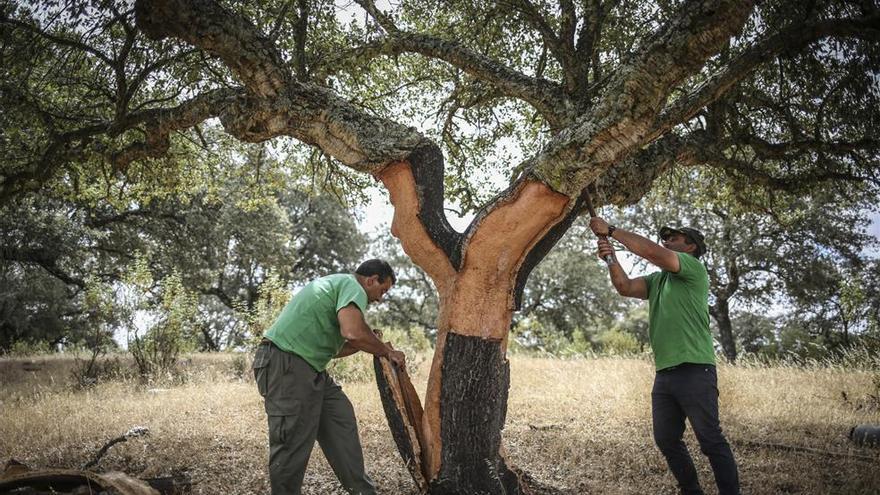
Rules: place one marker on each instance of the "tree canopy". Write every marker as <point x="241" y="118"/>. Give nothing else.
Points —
<point x="118" y="105"/>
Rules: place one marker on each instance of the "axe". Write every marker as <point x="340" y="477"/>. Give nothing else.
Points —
<point x="609" y="260"/>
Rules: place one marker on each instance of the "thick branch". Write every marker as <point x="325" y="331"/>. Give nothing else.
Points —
<point x="545" y="96"/>
<point x="628" y="181"/>
<point x="791" y="39"/>
<point x="43" y="258"/>
<point x="158" y="124"/>
<point x="279" y="105"/>
<point x="206" y="24"/>
<point x="623" y="120"/>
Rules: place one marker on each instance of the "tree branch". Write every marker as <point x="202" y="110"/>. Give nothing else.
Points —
<point x="710" y="155"/>
<point x="787" y="40"/>
<point x="206" y="24"/>
<point x="791" y="150"/>
<point x="554" y="42"/>
<point x="159" y="123"/>
<point x="545" y="96"/>
<point x="624" y="118"/>
<point x="59" y="40"/>
<point x="379" y="16"/>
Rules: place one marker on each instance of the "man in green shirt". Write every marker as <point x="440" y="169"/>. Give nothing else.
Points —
<point x="322" y="321"/>
<point x="686" y="385"/>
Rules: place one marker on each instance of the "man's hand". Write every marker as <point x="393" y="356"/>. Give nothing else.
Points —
<point x="377" y="333"/>
<point x="599" y="226"/>
<point x="605" y="249"/>
<point x="396" y="357"/>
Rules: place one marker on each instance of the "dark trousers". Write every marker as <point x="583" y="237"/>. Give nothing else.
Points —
<point x="691" y="391"/>
<point x="304" y="406"/>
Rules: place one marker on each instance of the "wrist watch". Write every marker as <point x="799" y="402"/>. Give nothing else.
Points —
<point x="611" y="229"/>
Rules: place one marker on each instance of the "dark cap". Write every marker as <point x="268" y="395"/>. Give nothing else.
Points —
<point x="693" y="235"/>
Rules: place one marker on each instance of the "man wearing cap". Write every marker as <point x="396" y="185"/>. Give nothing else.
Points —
<point x="686" y="385"/>
<point x="322" y="321"/>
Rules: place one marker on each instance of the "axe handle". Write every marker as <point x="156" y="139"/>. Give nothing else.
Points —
<point x="609" y="260"/>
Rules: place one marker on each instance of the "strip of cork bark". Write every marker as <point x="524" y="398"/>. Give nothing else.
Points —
<point x="407" y="226"/>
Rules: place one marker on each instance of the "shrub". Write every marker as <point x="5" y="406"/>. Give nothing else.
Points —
<point x="22" y="348"/>
<point x="240" y="365"/>
<point x="156" y="354"/>
<point x="530" y="336"/>
<point x="616" y="342"/>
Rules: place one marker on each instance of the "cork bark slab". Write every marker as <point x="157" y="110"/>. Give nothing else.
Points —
<point x="404" y="413"/>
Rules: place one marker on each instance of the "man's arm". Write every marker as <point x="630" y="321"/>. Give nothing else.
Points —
<point x="347" y="350"/>
<point x="665" y="259"/>
<point x="629" y="287"/>
<point x="360" y="337"/>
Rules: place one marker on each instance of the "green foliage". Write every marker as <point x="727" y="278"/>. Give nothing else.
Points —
<point x="617" y="342"/>
<point x="156" y="353"/>
<point x="24" y="348"/>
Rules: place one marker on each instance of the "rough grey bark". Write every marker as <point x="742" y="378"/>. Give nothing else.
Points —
<point x="476" y="378"/>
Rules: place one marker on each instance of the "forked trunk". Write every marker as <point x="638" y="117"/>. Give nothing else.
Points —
<point x="453" y="445"/>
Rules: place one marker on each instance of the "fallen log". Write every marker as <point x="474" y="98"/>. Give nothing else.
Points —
<point x="17" y="478"/>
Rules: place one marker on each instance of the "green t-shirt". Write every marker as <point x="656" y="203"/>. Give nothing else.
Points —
<point x="308" y="325"/>
<point x="678" y="315"/>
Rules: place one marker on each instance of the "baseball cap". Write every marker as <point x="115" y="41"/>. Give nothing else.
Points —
<point x="694" y="235"/>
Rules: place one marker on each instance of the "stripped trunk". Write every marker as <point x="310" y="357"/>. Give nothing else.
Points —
<point x="453" y="445"/>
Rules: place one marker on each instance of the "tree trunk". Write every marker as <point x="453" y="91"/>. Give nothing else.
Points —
<point x="454" y="444"/>
<point x="721" y="313"/>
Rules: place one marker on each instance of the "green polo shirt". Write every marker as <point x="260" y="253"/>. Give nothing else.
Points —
<point x="678" y="315"/>
<point x="308" y="325"/>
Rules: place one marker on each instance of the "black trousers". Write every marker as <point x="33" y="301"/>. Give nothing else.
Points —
<point x="691" y="391"/>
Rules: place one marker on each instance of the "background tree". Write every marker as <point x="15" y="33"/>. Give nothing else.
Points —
<point x="222" y="236"/>
<point x="764" y="251"/>
<point x="601" y="92"/>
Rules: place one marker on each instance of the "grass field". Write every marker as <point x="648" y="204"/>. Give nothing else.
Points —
<point x="581" y="426"/>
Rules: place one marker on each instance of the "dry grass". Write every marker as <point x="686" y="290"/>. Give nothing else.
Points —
<point x="582" y="426"/>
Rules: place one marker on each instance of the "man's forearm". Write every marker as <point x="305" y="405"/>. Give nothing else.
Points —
<point x="347" y="350"/>
<point x="367" y="341"/>
<point x="619" y="279"/>
<point x="636" y="244"/>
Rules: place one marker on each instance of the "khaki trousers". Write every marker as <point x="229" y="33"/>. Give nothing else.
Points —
<point x="303" y="406"/>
